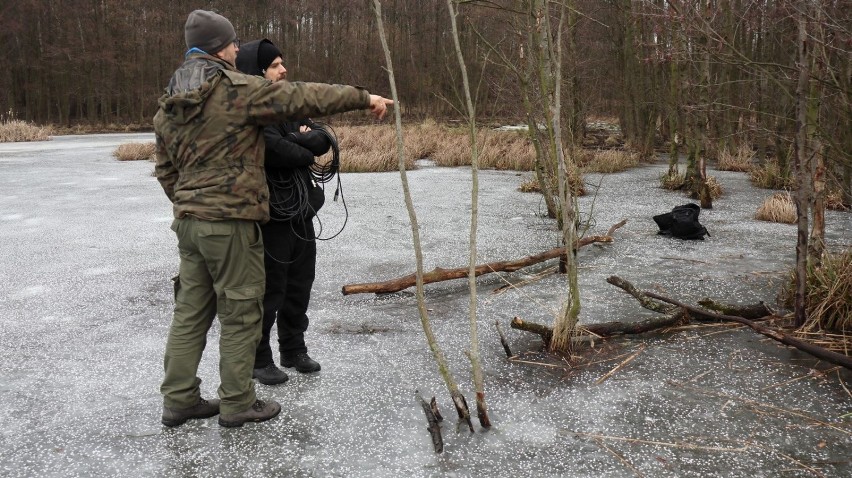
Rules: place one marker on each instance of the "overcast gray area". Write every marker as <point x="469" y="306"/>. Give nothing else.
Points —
<point x="86" y="299"/>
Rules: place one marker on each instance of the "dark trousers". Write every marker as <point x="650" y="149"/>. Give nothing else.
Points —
<point x="290" y="262"/>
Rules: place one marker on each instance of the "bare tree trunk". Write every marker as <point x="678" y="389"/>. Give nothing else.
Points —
<point x="565" y="326"/>
<point x="802" y="173"/>
<point x="816" y="156"/>
<point x="703" y="189"/>
<point x="455" y="394"/>
<point x="475" y="360"/>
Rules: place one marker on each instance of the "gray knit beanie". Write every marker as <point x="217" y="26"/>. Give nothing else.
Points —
<point x="208" y="31"/>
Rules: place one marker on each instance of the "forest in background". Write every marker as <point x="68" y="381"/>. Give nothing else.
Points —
<point x="696" y="76"/>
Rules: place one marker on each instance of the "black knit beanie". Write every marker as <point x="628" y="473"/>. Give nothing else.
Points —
<point x="267" y="52"/>
<point x="208" y="31"/>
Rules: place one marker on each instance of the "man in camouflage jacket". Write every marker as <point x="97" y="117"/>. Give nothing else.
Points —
<point x="210" y="153"/>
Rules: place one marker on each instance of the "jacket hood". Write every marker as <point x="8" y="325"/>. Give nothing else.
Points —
<point x="247" y="61"/>
<point x="189" y="87"/>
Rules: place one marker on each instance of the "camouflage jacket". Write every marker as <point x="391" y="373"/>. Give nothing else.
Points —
<point x="209" y="132"/>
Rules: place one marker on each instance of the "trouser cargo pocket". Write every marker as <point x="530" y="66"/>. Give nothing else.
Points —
<point x="242" y="304"/>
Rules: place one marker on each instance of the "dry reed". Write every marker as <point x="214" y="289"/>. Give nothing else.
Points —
<point x="769" y="176"/>
<point x="17" y="130"/>
<point x="834" y="200"/>
<point x="135" y="151"/>
<point x="738" y="160"/>
<point x="672" y="181"/>
<point x="370" y="148"/>
<point x="716" y="190"/>
<point x="777" y="208"/>
<point x="530" y="184"/>
<point x="829" y="294"/>
<point x="605" y="161"/>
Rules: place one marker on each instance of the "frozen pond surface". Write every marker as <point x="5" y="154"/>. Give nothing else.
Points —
<point x="85" y="305"/>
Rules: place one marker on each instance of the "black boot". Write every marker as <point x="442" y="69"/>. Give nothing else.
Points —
<point x="301" y="362"/>
<point x="270" y="375"/>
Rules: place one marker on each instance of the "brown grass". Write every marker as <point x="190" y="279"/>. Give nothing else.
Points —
<point x="530" y="184"/>
<point x="716" y="190"/>
<point x="738" y="160"/>
<point x="96" y="128"/>
<point x="777" y="208"/>
<point x="135" y="151"/>
<point x="368" y="149"/>
<point x="16" y="130"/>
<point x="605" y="161"/>
<point x="829" y="293"/>
<point x="672" y="181"/>
<point x="372" y="148"/>
<point x="503" y="150"/>
<point x="768" y="176"/>
<point x="834" y="200"/>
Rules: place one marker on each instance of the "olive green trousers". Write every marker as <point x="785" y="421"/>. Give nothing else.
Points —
<point x="221" y="272"/>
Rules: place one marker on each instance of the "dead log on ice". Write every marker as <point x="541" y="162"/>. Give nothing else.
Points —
<point x="609" y="329"/>
<point x="440" y="274"/>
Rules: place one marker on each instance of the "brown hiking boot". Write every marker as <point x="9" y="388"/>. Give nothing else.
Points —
<point x="173" y="417"/>
<point x="259" y="412"/>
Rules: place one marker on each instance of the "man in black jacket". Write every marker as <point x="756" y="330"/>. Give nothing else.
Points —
<point x="288" y="238"/>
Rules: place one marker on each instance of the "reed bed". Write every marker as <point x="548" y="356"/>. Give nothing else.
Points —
<point x="779" y="207"/>
<point x="135" y="151"/>
<point x="368" y="148"/>
<point x="769" y="176"/>
<point x="829" y="296"/>
<point x="672" y="181"/>
<point x="738" y="160"/>
<point x="606" y="160"/>
<point x="16" y="130"/>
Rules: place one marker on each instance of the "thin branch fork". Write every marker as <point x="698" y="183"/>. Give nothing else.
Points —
<point x="440" y="274"/>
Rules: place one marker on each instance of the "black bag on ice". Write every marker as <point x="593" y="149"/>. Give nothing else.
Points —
<point x="682" y="223"/>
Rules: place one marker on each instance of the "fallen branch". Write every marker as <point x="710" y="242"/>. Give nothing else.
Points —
<point x="434" y="428"/>
<point x="794" y="412"/>
<point x="609" y="329"/>
<point x="754" y="311"/>
<point x="685" y="446"/>
<point x="619" y="366"/>
<point x="435" y="411"/>
<point x="503" y="340"/>
<point x="816" y="351"/>
<point x="541" y="275"/>
<point x="440" y="274"/>
<point x="639" y="295"/>
<point x="645" y="298"/>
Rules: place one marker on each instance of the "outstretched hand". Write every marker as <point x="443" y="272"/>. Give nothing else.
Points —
<point x="379" y="106"/>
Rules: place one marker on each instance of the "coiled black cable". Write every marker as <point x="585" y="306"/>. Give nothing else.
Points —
<point x="324" y="173"/>
<point x="289" y="190"/>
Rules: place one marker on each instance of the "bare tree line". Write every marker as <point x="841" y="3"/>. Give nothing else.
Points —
<point x="701" y="76"/>
<point x="105" y="60"/>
